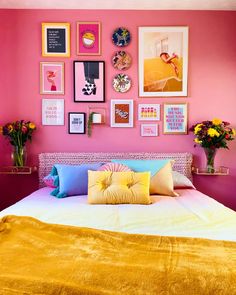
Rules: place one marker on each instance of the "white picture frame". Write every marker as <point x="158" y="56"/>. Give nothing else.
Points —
<point x="53" y="111"/>
<point x="149" y="112"/>
<point x="122" y="113"/>
<point x="149" y="130"/>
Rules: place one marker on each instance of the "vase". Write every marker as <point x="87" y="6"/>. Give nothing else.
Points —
<point x="19" y="156"/>
<point x="210" y="159"/>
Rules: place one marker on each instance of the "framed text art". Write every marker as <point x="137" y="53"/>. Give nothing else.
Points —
<point x="77" y="123"/>
<point x="148" y="112"/>
<point x="175" y="117"/>
<point x="56" y="39"/>
<point x="51" y="77"/>
<point x="149" y="130"/>
<point x="89" y="82"/>
<point x="88" y="38"/>
<point x="121" y="113"/>
<point x="53" y="112"/>
<point x="163" y="61"/>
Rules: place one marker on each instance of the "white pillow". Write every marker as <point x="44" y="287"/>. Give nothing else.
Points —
<point x="181" y="181"/>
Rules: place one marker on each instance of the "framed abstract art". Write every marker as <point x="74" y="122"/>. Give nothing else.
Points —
<point x="89" y="82"/>
<point x="51" y="77"/>
<point x="122" y="113"/>
<point x="163" y="61"/>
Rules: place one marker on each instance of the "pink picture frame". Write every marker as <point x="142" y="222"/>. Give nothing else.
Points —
<point x="52" y="78"/>
<point x="88" y="39"/>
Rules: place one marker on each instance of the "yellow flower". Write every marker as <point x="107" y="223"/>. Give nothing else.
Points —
<point x="10" y="128"/>
<point x="1" y="130"/>
<point x="197" y="140"/>
<point x="216" y="121"/>
<point x="32" y="125"/>
<point x="197" y="128"/>
<point x="233" y="132"/>
<point x="212" y="132"/>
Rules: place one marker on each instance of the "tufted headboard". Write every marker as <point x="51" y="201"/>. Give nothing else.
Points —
<point x="182" y="163"/>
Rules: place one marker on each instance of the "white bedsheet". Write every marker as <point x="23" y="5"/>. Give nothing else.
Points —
<point x="193" y="214"/>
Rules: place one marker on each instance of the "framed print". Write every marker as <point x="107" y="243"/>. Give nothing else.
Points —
<point x="121" y="113"/>
<point x="175" y="117"/>
<point x="163" y="61"/>
<point x="53" y="112"/>
<point x="149" y="130"/>
<point x="148" y="112"/>
<point x="56" y="39"/>
<point x="77" y="123"/>
<point x="88" y="38"/>
<point x="89" y="82"/>
<point x="51" y="77"/>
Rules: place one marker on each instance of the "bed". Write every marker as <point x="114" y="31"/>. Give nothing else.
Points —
<point x="176" y="245"/>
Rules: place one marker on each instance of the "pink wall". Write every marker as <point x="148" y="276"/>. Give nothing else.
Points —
<point x="211" y="84"/>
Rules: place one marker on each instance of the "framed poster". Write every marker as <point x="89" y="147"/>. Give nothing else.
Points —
<point x="122" y="113"/>
<point x="51" y="77"/>
<point x="89" y="82"/>
<point x="163" y="61"/>
<point x="175" y="117"/>
<point x="53" y="112"/>
<point x="149" y="130"/>
<point x="88" y="38"/>
<point x="148" y="112"/>
<point x="77" y="123"/>
<point x="56" y="39"/>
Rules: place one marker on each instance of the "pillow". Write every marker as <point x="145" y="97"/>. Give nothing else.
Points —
<point x="73" y="179"/>
<point x="107" y="187"/>
<point x="115" y="167"/>
<point x="51" y="180"/>
<point x="161" y="182"/>
<point x="181" y="181"/>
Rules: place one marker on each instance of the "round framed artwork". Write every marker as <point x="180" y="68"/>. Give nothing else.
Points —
<point x="121" y="60"/>
<point x="121" y="37"/>
<point x="121" y="83"/>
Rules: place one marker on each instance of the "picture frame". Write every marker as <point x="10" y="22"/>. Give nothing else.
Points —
<point x="163" y="61"/>
<point x="149" y="130"/>
<point x="52" y="111"/>
<point x="149" y="112"/>
<point x="52" y="78"/>
<point x="56" y="39"/>
<point x="76" y="123"/>
<point x="88" y="38"/>
<point x="89" y="81"/>
<point x="175" y="117"/>
<point x="122" y="113"/>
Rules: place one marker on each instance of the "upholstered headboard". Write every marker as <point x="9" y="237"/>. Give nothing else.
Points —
<point x="182" y="161"/>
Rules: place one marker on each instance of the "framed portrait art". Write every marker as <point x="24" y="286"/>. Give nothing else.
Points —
<point x="51" y="77"/>
<point x="76" y="123"/>
<point x="175" y="118"/>
<point x="53" y="112"/>
<point x="88" y="38"/>
<point x="56" y="39"/>
<point x="89" y="82"/>
<point x="163" y="61"/>
<point x="122" y="113"/>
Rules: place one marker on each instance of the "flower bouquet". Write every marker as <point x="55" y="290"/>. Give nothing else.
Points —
<point x="18" y="133"/>
<point x="212" y="135"/>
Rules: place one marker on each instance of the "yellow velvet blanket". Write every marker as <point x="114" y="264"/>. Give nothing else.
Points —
<point x="40" y="258"/>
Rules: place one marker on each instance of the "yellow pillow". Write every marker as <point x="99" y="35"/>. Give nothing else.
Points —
<point x="107" y="187"/>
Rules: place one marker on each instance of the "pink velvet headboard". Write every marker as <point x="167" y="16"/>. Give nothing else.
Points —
<point x="182" y="161"/>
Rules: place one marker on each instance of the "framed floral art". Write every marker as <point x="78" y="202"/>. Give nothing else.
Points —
<point x="51" y="77"/>
<point x="122" y="113"/>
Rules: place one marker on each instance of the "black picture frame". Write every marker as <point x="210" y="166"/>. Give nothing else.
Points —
<point x="89" y="81"/>
<point x="74" y="127"/>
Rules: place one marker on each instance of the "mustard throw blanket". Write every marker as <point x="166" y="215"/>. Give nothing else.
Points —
<point x="40" y="258"/>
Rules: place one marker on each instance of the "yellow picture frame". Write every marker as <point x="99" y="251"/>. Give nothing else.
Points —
<point x="56" y="39"/>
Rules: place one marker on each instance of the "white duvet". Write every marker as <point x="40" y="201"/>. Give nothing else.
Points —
<point x="193" y="214"/>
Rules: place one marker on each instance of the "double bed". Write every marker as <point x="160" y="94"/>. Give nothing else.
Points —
<point x="176" y="245"/>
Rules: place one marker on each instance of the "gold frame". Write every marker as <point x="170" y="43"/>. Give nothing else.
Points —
<point x="185" y="108"/>
<point x="66" y="26"/>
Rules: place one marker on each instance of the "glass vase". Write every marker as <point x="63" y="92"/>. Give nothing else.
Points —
<point x="210" y="159"/>
<point x="19" y="156"/>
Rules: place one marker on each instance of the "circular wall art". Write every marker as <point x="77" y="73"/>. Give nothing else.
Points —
<point x="121" y="83"/>
<point x="121" y="37"/>
<point x="121" y="60"/>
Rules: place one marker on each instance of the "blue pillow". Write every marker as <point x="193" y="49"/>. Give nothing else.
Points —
<point x="73" y="179"/>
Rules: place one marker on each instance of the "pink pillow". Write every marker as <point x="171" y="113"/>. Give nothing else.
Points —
<point x="114" y="167"/>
